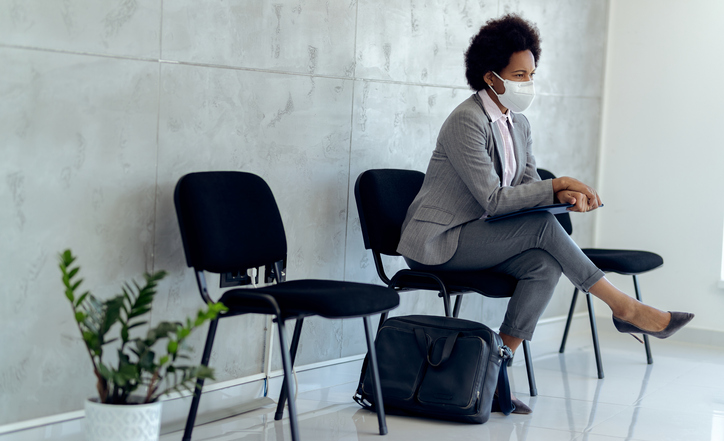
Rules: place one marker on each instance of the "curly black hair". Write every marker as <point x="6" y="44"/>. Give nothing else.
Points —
<point x="492" y="48"/>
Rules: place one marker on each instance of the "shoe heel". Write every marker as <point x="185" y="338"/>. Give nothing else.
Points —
<point x="639" y="340"/>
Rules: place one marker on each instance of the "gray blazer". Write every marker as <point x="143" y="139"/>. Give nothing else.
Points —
<point x="463" y="181"/>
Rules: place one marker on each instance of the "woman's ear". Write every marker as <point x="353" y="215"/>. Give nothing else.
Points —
<point x="488" y="77"/>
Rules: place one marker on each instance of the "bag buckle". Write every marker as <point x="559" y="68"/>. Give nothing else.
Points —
<point x="505" y="352"/>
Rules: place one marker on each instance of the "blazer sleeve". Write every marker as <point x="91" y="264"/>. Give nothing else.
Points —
<point x="468" y="144"/>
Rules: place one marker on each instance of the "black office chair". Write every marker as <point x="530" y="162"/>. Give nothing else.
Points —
<point x="627" y="262"/>
<point x="383" y="197"/>
<point x="229" y="223"/>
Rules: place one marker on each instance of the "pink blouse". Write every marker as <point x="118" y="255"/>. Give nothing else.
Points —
<point x="501" y="119"/>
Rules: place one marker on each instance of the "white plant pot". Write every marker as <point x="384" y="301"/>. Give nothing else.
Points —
<point x="122" y="422"/>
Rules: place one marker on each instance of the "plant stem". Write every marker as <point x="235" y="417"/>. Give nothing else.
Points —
<point x="101" y="386"/>
<point x="151" y="386"/>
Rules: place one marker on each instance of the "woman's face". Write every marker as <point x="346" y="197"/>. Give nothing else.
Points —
<point x="520" y="68"/>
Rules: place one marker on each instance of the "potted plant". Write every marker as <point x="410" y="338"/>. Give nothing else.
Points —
<point x="145" y="367"/>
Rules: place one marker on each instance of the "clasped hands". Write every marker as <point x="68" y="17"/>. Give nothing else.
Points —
<point x="572" y="191"/>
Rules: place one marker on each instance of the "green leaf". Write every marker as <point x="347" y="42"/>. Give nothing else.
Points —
<point x="135" y="312"/>
<point x="204" y="372"/>
<point x="113" y="313"/>
<point x="76" y="284"/>
<point x="217" y="308"/>
<point x="172" y="347"/>
<point x="126" y="293"/>
<point x="146" y="361"/>
<point x="134" y="325"/>
<point x="162" y="330"/>
<point x="67" y="258"/>
<point x="128" y="372"/>
<point x="81" y="299"/>
<point x="92" y="341"/>
<point x="183" y="333"/>
<point x="105" y="372"/>
<point x="79" y="317"/>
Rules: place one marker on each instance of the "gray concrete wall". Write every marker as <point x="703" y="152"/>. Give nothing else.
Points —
<point x="104" y="105"/>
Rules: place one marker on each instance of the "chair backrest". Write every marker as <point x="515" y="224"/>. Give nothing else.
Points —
<point x="383" y="197"/>
<point x="564" y="218"/>
<point x="229" y="221"/>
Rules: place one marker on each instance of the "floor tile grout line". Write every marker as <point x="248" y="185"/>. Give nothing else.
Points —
<point x="589" y="429"/>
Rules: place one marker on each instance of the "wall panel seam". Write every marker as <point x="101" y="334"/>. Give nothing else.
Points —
<point x="349" y="152"/>
<point x="280" y="72"/>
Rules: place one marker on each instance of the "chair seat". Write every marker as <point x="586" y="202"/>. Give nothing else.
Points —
<point x="623" y="261"/>
<point x="488" y="283"/>
<point x="328" y="298"/>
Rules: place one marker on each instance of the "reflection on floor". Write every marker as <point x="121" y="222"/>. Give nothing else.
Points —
<point x="680" y="398"/>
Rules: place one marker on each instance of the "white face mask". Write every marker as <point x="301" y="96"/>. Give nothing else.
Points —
<point x="517" y="96"/>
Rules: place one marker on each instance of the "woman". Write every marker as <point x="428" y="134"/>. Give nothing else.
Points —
<point x="483" y="165"/>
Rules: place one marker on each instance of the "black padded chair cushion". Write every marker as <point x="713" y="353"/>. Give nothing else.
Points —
<point x="488" y="283"/>
<point x="623" y="261"/>
<point x="328" y="298"/>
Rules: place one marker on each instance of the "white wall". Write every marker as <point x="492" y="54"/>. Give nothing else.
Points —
<point x="662" y="157"/>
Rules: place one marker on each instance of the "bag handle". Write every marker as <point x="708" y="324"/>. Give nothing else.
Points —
<point x="425" y="346"/>
<point x="504" y="400"/>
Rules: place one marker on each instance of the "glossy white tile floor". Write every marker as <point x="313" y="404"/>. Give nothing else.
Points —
<point x="679" y="398"/>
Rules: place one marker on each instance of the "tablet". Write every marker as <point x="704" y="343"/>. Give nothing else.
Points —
<point x="553" y="209"/>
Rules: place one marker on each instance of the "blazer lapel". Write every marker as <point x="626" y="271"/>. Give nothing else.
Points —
<point x="499" y="159"/>
<point x="499" y="149"/>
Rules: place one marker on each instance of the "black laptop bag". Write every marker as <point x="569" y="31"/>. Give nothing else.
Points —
<point x="438" y="367"/>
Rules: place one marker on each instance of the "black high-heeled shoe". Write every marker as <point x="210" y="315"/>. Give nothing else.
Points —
<point x="678" y="321"/>
<point x="519" y="407"/>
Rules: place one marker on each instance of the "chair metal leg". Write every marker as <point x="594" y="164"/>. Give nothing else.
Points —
<point x="568" y="321"/>
<point x="293" y="354"/>
<point x="594" y="335"/>
<point x="649" y="358"/>
<point x="445" y="301"/>
<point x="383" y="317"/>
<point x="372" y="354"/>
<point x="529" y="368"/>
<point x="287" y="365"/>
<point x="458" y="303"/>
<point x="191" y="419"/>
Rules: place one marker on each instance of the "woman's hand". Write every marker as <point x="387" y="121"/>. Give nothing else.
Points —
<point x="579" y="200"/>
<point x="573" y="191"/>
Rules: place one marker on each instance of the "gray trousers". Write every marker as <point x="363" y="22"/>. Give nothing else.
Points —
<point x="534" y="249"/>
